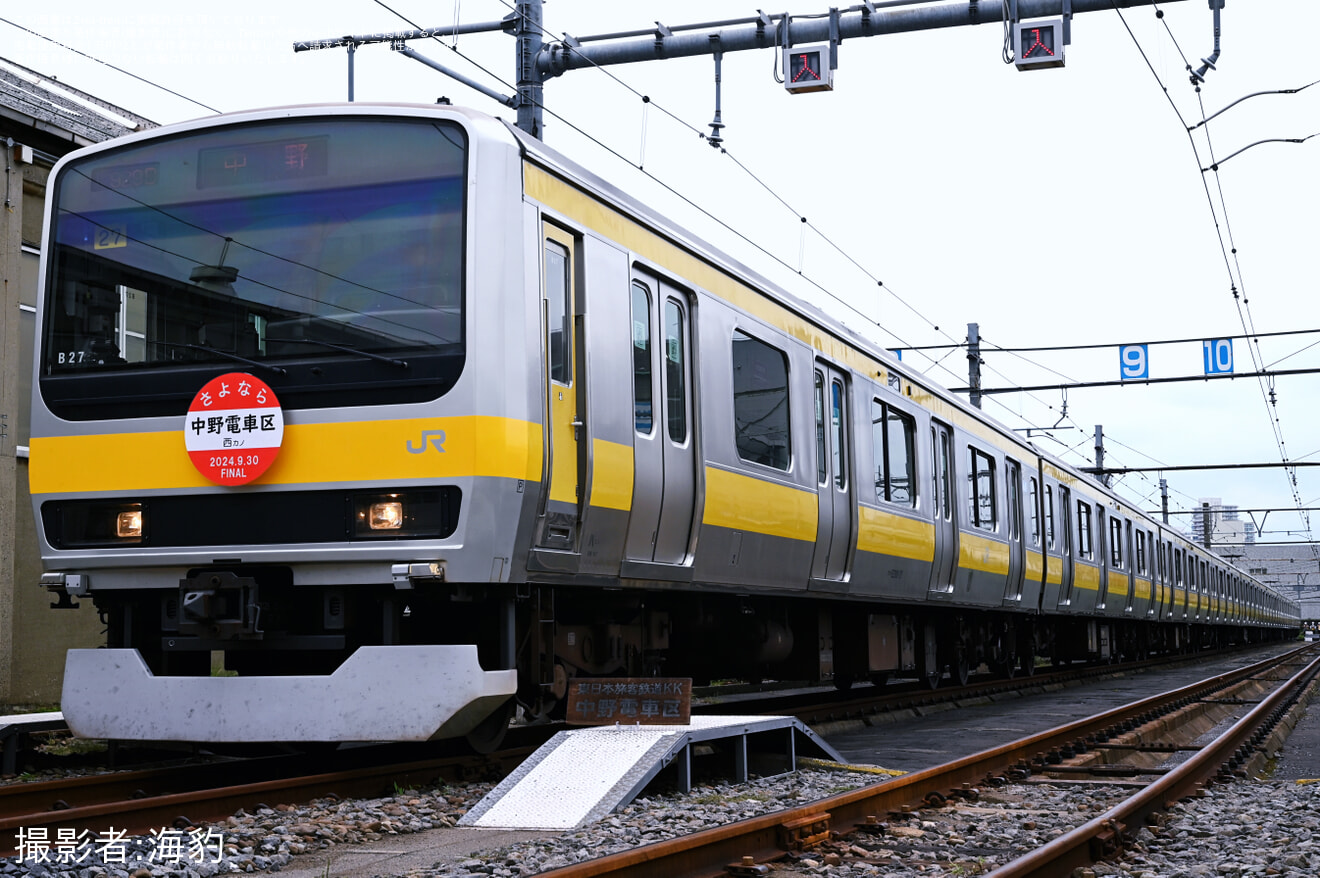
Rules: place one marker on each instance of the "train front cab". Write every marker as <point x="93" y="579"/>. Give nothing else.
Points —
<point x="405" y="401"/>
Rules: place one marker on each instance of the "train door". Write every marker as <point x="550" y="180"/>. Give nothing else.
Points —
<point x="1134" y="561"/>
<point x="1103" y="554"/>
<point x="1065" y="532"/>
<point x="1016" y="560"/>
<point x="834" y="535"/>
<point x="664" y="485"/>
<point x="561" y="502"/>
<point x="943" y="499"/>
<point x="1164" y="593"/>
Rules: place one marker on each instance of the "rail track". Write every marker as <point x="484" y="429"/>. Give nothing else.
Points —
<point x="188" y="795"/>
<point x="181" y="796"/>
<point x="1101" y="747"/>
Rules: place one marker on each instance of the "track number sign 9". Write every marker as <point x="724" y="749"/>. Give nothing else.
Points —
<point x="1133" y="362"/>
<point x="1218" y="356"/>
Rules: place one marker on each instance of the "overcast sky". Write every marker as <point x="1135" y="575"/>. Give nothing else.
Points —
<point x="1058" y="207"/>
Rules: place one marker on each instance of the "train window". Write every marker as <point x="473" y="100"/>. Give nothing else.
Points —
<point x="946" y="475"/>
<point x="1177" y="567"/>
<point x="330" y="249"/>
<point x="1116" y="542"/>
<point x="1084" y="549"/>
<point x="1141" y="553"/>
<point x="839" y="433"/>
<point x="1049" y="516"/>
<point x="643" y="415"/>
<point x="981" y="510"/>
<point x="1033" y="509"/>
<point x="1013" y="481"/>
<point x="760" y="402"/>
<point x="557" y="291"/>
<point x="901" y="458"/>
<point x="893" y="435"/>
<point x="675" y="371"/>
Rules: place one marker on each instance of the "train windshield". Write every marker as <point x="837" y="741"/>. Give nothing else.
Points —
<point x="324" y="255"/>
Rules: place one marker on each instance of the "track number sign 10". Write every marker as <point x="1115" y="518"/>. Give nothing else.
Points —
<point x="1218" y="356"/>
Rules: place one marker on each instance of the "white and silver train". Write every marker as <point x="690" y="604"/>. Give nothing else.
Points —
<point x="409" y="420"/>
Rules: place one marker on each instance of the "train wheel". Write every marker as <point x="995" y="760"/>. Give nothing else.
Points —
<point x="1008" y="662"/>
<point x="548" y="703"/>
<point x="960" y="668"/>
<point x="1027" y="657"/>
<point x="490" y="732"/>
<point x="929" y="669"/>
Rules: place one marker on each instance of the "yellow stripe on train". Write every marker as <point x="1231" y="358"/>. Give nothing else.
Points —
<point x="978" y="553"/>
<point x="612" y="475"/>
<point x="886" y="533"/>
<point x="352" y="451"/>
<point x="747" y="503"/>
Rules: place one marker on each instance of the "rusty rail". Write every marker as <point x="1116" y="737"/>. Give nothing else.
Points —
<point x="767" y="837"/>
<point x="108" y="800"/>
<point x="1102" y="836"/>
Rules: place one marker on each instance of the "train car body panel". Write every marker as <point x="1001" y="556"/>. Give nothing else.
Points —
<point x="451" y="696"/>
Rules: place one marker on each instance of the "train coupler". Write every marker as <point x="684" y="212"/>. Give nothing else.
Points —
<point x="65" y="586"/>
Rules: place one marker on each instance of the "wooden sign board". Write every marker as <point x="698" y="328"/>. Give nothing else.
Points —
<point x="630" y="701"/>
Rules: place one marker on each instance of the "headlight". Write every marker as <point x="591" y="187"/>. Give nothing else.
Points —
<point x="404" y="514"/>
<point x="128" y="525"/>
<point x="95" y="524"/>
<point x="387" y="515"/>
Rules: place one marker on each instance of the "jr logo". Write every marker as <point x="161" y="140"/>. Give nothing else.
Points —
<point x="437" y="438"/>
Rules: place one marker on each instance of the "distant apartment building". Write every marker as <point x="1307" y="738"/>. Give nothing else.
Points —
<point x="1225" y="526"/>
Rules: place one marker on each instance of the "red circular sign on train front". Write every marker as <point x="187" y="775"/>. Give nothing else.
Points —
<point x="234" y="429"/>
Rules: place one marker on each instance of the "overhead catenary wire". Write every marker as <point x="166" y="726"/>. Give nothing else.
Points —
<point x="1228" y="250"/>
<point x="113" y="67"/>
<point x="788" y="207"/>
<point x="936" y="363"/>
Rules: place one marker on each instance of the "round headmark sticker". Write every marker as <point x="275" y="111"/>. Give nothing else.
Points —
<point x="234" y="429"/>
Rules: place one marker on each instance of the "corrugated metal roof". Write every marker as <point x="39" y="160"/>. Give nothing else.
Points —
<point x="41" y="102"/>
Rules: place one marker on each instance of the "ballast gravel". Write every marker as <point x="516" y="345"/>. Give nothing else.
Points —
<point x="1249" y="828"/>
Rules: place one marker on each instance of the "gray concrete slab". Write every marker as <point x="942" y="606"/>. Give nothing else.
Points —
<point x="399" y="855"/>
<point x="1300" y="759"/>
<point x="945" y="733"/>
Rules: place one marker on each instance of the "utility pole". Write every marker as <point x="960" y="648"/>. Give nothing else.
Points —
<point x="1164" y="499"/>
<point x="1100" y="474"/>
<point x="974" y="362"/>
<point x="531" y="81"/>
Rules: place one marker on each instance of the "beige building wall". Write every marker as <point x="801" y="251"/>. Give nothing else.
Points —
<point x="33" y="637"/>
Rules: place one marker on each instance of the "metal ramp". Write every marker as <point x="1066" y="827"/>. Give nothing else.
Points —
<point x="579" y="776"/>
<point x="15" y="726"/>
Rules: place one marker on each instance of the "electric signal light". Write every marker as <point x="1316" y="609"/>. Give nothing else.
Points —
<point x="1038" y="44"/>
<point x="807" y="69"/>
